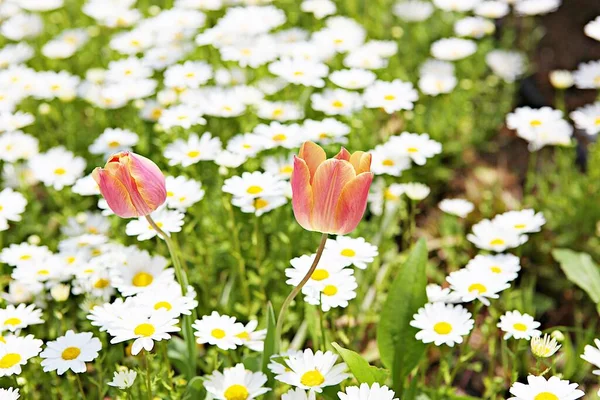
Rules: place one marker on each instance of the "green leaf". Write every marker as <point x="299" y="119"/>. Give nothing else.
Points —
<point x="271" y="345"/>
<point x="581" y="270"/>
<point x="360" y="368"/>
<point x="194" y="389"/>
<point x="398" y="348"/>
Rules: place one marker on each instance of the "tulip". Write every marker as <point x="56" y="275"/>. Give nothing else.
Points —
<point x="132" y="185"/>
<point x="330" y="196"/>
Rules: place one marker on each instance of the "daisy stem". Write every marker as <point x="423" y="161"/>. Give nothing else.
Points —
<point x="148" y="379"/>
<point x="299" y="287"/>
<point x="79" y="384"/>
<point x="188" y="333"/>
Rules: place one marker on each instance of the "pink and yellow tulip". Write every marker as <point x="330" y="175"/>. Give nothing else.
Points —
<point x="330" y="195"/>
<point x="132" y="185"/>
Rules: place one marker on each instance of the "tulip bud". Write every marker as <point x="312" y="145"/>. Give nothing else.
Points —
<point x="132" y="185"/>
<point x="330" y="196"/>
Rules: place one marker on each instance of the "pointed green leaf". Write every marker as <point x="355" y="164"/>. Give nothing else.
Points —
<point x="271" y="345"/>
<point x="360" y="368"/>
<point x="581" y="270"/>
<point x="398" y="348"/>
<point x="194" y="389"/>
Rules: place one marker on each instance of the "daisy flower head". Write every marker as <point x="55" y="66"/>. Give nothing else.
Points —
<point x="313" y="371"/>
<point x="390" y="96"/>
<point x="587" y="118"/>
<point x="144" y="328"/>
<point x="544" y="346"/>
<point x="413" y="10"/>
<point x="279" y="135"/>
<point x="355" y="251"/>
<point x="439" y="294"/>
<point x="327" y="268"/>
<point x="508" y="65"/>
<point x="187" y="152"/>
<point x="519" y="326"/>
<point x="524" y="221"/>
<point x="57" y="167"/>
<point x="70" y="352"/>
<point x="183" y="115"/>
<point x="182" y="192"/>
<point x="591" y="354"/>
<point x="540" y="127"/>
<point x="113" y="140"/>
<point x="24" y="254"/>
<point x="592" y="29"/>
<point x="326" y="131"/>
<point x="16" y="318"/>
<point x="366" y="392"/>
<point x="300" y="71"/>
<point x="140" y="272"/>
<point x="475" y="27"/>
<point x="123" y="379"/>
<point x="453" y="49"/>
<point x="254" y="185"/>
<point x="279" y="110"/>
<point x="319" y="8"/>
<point x="504" y="266"/>
<point x="475" y="284"/>
<point x="489" y="235"/>
<point x="456" y="5"/>
<point x="385" y="159"/>
<point x="437" y="77"/>
<point x="279" y="165"/>
<point x="12" y="205"/>
<point x="9" y="394"/>
<point x="168" y="221"/>
<point x="459" y="207"/>
<point x="417" y="147"/>
<point x="538" y="388"/>
<point x="220" y="330"/>
<point x="299" y="394"/>
<point x="335" y="291"/>
<point x="441" y="323"/>
<point x="236" y="383"/>
<point x="336" y="102"/>
<point x="536" y="7"/>
<point x="414" y="191"/>
<point x="354" y="78"/>
<point x="168" y="297"/>
<point x="259" y="205"/>
<point x="252" y="338"/>
<point x="190" y="74"/>
<point x="491" y="9"/>
<point x="15" y="351"/>
<point x="587" y="75"/>
<point x="17" y="145"/>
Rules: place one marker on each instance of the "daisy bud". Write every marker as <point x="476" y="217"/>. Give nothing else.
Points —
<point x="44" y="108"/>
<point x="561" y="79"/>
<point x="544" y="347"/>
<point x="558" y="335"/>
<point x="60" y="292"/>
<point x="132" y="185"/>
<point x="330" y="196"/>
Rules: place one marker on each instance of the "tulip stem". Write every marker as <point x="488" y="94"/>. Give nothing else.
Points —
<point x="188" y="333"/>
<point x="299" y="287"/>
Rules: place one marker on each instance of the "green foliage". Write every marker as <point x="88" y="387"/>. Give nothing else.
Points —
<point x="581" y="270"/>
<point x="398" y="348"/>
<point x="360" y="368"/>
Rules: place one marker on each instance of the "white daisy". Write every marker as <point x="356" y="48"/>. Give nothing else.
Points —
<point x="236" y="383"/>
<point x="168" y="221"/>
<point x="313" y="371"/>
<point x="453" y="49"/>
<point x="15" y="351"/>
<point x="387" y="160"/>
<point x="366" y="392"/>
<point x="298" y="394"/>
<point x="70" y="352"/>
<point x="57" y="167"/>
<point x="279" y="110"/>
<point x="12" y="205"/>
<point x="439" y="294"/>
<point x="592" y="29"/>
<point x="123" y="379"/>
<point x="327" y="268"/>
<point x="472" y="284"/>
<point x="300" y="71"/>
<point x="144" y="328"/>
<point x="336" y="102"/>
<point x="183" y="192"/>
<point x="413" y="10"/>
<point x="252" y="338"/>
<point x="417" y="147"/>
<point x="186" y="153"/>
<point x="538" y="388"/>
<point x="489" y="235"/>
<point x="519" y="326"/>
<point x="459" y="207"/>
<point x="442" y="323"/>
<point x="587" y="118"/>
<point x="168" y="297"/>
<point x="259" y="205"/>
<point x="24" y="254"/>
<point x="356" y="251"/>
<point x="524" y="221"/>
<point x="113" y="140"/>
<point x="390" y="96"/>
<point x="220" y="330"/>
<point x="355" y="78"/>
<point x="504" y="266"/>
<point x="561" y="79"/>
<point x="16" y="318"/>
<point x="279" y="135"/>
<point x="326" y="131"/>
<point x="140" y="272"/>
<point x="591" y="354"/>
<point x="335" y="291"/>
<point x="254" y="185"/>
<point x="9" y="394"/>
<point x="587" y="75"/>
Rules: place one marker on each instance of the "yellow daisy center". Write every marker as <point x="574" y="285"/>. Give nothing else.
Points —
<point x="389" y="97"/>
<point x="288" y="169"/>
<point x="388" y="195"/>
<point x="312" y="378"/>
<point x="597" y="121"/>
<point x="43" y="272"/>
<point x="254" y="190"/>
<point x="545" y="396"/>
<point x="520" y="327"/>
<point x="163" y="304"/>
<point x="2" y="340"/>
<point x="348" y="253"/>
<point x="142" y="279"/>
<point x="442" y="328"/>
<point x="520" y="226"/>
<point x="60" y="171"/>
<point x="496" y="269"/>
<point x="320" y="274"/>
<point x="535" y="122"/>
<point x="388" y="163"/>
<point x="9" y="360"/>
<point x="12" y="321"/>
<point x="244" y="335"/>
<point x="497" y="242"/>
<point x="260" y="203"/>
<point x="278" y="112"/>
<point x="477" y="287"/>
<point x="70" y="353"/>
<point x="330" y="290"/>
<point x="101" y="283"/>
<point x="113" y="144"/>
<point x="236" y="392"/>
<point x="412" y="150"/>
<point x="25" y="257"/>
<point x="193" y="153"/>
<point x="144" y="330"/>
<point x="218" y="333"/>
<point x="280" y="137"/>
<point x="337" y="104"/>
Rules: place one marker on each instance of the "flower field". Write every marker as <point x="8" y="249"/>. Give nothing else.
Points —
<point x="298" y="200"/>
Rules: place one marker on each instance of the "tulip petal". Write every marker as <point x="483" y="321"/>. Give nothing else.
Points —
<point x="313" y="155"/>
<point x="302" y="193"/>
<point x="361" y="162"/>
<point x="343" y="155"/>
<point x="150" y="181"/>
<point x="328" y="182"/>
<point x="352" y="203"/>
<point x="115" y="193"/>
<point x="124" y="176"/>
